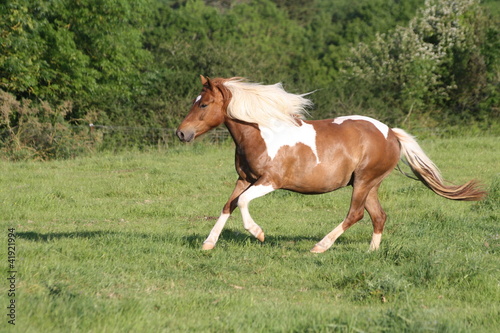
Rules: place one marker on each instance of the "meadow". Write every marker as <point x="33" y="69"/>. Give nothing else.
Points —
<point x="112" y="243"/>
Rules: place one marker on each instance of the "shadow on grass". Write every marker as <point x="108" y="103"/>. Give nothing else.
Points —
<point x="40" y="237"/>
<point x="239" y="237"/>
<point x="194" y="241"/>
<point x="227" y="235"/>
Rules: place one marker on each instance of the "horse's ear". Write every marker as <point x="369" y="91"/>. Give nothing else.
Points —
<point x="206" y="82"/>
<point x="203" y="80"/>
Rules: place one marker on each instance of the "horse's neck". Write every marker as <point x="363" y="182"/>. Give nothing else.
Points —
<point x="242" y="132"/>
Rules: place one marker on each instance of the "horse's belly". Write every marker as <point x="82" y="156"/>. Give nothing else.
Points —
<point x="319" y="179"/>
<point x="300" y="169"/>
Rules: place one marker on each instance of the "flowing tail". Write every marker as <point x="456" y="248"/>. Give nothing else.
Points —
<point x="427" y="172"/>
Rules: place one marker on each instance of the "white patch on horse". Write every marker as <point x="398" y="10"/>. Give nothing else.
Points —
<point x="197" y="99"/>
<point x="282" y="134"/>
<point x="383" y="128"/>
<point x="251" y="193"/>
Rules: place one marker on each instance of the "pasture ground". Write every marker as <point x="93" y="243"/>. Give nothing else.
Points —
<point x="112" y="243"/>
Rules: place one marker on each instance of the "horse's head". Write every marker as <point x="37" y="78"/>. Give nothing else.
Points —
<point x="208" y="110"/>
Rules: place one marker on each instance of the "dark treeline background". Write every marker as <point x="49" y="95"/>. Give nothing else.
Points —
<point x="67" y="63"/>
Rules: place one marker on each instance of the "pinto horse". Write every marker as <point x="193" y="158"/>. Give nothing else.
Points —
<point x="277" y="149"/>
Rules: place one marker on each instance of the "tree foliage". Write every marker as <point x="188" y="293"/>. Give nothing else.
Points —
<point x="436" y="62"/>
<point x="124" y="62"/>
<point x="86" y="51"/>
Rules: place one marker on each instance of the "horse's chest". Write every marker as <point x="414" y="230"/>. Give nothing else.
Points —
<point x="251" y="162"/>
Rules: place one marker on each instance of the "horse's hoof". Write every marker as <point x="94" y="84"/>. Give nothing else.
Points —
<point x="318" y="249"/>
<point x="261" y="236"/>
<point x="208" y="246"/>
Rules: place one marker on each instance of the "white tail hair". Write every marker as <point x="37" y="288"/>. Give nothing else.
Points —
<point x="427" y="172"/>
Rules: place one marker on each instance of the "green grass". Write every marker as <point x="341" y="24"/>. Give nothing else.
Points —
<point x="112" y="243"/>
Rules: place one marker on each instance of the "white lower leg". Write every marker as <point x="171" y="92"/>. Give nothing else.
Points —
<point x="252" y="227"/>
<point x="243" y="201"/>
<point x="212" y="238"/>
<point x="375" y="244"/>
<point x="328" y="240"/>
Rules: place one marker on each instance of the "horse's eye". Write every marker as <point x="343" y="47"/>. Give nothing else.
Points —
<point x="203" y="106"/>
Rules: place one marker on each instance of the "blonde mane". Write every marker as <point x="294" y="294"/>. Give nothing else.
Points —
<point x="264" y="104"/>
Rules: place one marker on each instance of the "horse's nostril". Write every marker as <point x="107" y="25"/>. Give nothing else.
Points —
<point x="186" y="135"/>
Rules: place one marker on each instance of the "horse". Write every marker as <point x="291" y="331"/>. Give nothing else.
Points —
<point x="276" y="148"/>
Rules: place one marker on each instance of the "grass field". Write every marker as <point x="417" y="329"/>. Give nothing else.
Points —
<point x="112" y="243"/>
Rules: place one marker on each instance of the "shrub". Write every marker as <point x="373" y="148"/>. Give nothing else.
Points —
<point x="29" y="131"/>
<point x="435" y="63"/>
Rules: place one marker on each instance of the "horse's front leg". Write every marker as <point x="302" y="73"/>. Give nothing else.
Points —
<point x="231" y="204"/>
<point x="260" y="188"/>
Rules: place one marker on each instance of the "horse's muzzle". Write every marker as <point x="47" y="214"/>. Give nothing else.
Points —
<point x="185" y="135"/>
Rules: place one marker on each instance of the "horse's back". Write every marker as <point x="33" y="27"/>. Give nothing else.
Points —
<point x="363" y="142"/>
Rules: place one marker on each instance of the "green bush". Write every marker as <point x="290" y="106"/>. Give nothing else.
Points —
<point x="435" y="66"/>
<point x="136" y="63"/>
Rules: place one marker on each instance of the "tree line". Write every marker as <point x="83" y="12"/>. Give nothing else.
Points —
<point x="136" y="62"/>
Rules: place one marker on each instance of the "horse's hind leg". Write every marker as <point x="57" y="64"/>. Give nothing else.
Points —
<point x="377" y="215"/>
<point x="356" y="212"/>
<point x="209" y="243"/>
